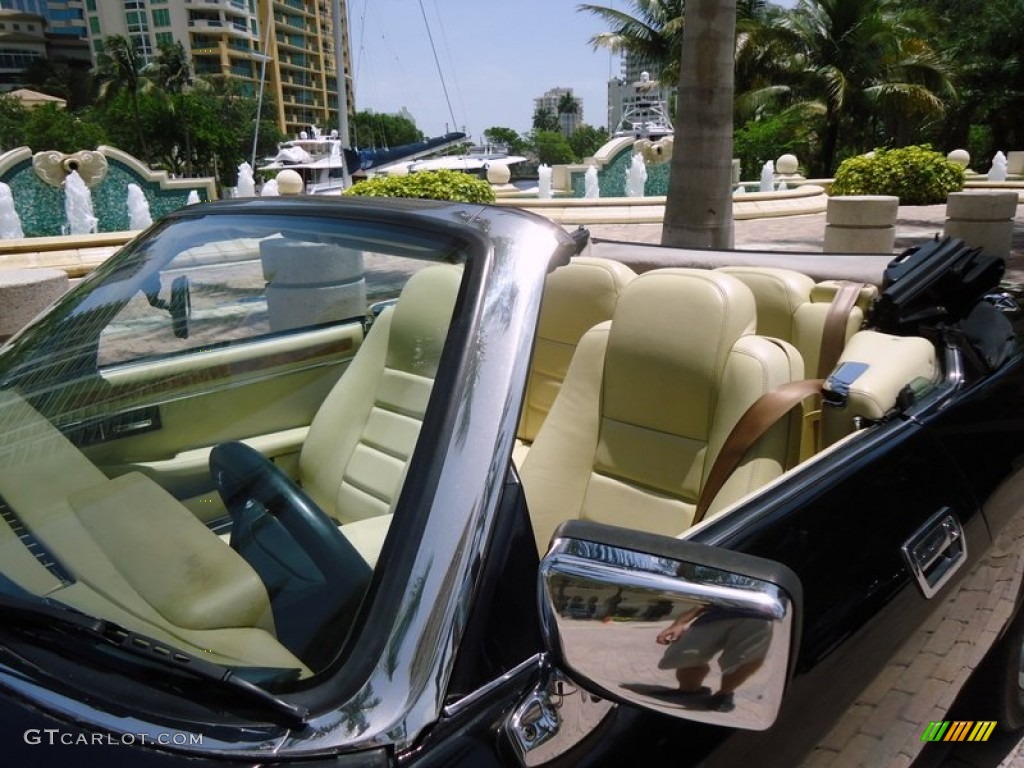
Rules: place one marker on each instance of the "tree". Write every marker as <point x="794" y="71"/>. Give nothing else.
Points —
<point x="13" y="115"/>
<point x="698" y="208"/>
<point x="376" y="129"/>
<point x="868" y="67"/>
<point x="567" y="105"/>
<point x="49" y="126"/>
<point x="68" y="79"/>
<point x="552" y="148"/>
<point x="586" y="141"/>
<point x="119" y="67"/>
<point x="544" y="120"/>
<point x="516" y="144"/>
<point x="172" y="74"/>
<point x="653" y="33"/>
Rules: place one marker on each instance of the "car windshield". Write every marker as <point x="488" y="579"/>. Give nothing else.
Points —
<point x="205" y="443"/>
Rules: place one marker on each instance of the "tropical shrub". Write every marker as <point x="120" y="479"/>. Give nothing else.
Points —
<point x="917" y="175"/>
<point x="427" y="185"/>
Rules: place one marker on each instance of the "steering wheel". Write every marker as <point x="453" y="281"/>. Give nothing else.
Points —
<point x="314" y="576"/>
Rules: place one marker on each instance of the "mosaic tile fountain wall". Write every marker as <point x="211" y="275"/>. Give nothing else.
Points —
<point x="41" y="207"/>
<point x="611" y="179"/>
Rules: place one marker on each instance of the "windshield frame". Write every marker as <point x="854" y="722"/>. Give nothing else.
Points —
<point x="393" y="670"/>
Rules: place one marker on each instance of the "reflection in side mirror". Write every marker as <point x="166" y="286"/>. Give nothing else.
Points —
<point x="180" y="306"/>
<point x="683" y="629"/>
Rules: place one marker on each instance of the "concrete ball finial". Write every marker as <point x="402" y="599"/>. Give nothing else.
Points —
<point x="498" y="173"/>
<point x="960" y="156"/>
<point x="787" y="165"/>
<point x="289" y="182"/>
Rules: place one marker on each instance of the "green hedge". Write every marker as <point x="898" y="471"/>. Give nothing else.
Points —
<point x="427" y="185"/>
<point x="917" y="175"/>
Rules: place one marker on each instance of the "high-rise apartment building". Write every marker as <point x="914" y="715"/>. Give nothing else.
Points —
<point x="553" y="101"/>
<point x="63" y="17"/>
<point x="235" y="38"/>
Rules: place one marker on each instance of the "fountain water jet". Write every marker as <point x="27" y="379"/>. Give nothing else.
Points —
<point x="193" y="198"/>
<point x="10" y="223"/>
<point x="768" y="177"/>
<point x="590" y="184"/>
<point x="78" y="206"/>
<point x="636" y="176"/>
<point x="246" y="184"/>
<point x="544" y="182"/>
<point x="139" y="216"/>
<point x="998" y="170"/>
<point x="270" y="189"/>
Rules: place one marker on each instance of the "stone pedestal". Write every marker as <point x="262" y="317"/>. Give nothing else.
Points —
<point x="311" y="283"/>
<point x="1015" y="163"/>
<point x="24" y="293"/>
<point x="982" y="219"/>
<point x="861" y="224"/>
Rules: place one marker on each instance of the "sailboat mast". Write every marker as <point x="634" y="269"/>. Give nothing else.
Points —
<point x="341" y="80"/>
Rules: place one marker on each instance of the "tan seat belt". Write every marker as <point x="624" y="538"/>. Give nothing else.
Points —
<point x="833" y="334"/>
<point x="758" y="419"/>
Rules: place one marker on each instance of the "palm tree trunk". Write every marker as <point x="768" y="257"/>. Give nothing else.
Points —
<point x="698" y="210"/>
<point x="829" y="143"/>
<point x="138" y="127"/>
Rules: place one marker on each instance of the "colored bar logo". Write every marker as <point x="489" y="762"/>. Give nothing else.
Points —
<point x="959" y="730"/>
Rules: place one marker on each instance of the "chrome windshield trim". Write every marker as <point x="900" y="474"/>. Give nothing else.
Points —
<point x="405" y="692"/>
<point x="460" y="705"/>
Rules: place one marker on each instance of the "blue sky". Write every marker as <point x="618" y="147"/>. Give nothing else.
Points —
<point x="496" y="57"/>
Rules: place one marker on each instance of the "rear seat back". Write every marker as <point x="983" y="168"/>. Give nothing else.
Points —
<point x="577" y="297"/>
<point x="792" y="307"/>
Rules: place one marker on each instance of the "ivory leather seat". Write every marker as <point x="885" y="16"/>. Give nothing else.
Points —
<point x="792" y="307"/>
<point x="577" y="297"/>
<point x="355" y="457"/>
<point x="648" y="402"/>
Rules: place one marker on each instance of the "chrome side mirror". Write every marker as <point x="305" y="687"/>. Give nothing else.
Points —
<point x="672" y="626"/>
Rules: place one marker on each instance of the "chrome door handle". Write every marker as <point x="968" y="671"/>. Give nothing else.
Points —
<point x="936" y="551"/>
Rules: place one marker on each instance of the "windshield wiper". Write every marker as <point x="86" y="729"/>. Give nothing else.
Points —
<point x="48" y="614"/>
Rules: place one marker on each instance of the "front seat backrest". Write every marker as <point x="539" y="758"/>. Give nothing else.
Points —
<point x="355" y="457"/>
<point x="648" y="402"/>
<point x="577" y="297"/>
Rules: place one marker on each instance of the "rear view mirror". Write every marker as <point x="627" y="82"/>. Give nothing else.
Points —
<point x="180" y="306"/>
<point x="683" y="629"/>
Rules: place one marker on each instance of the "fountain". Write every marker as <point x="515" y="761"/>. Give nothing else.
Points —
<point x="636" y="176"/>
<point x="193" y="198"/>
<point x="270" y="189"/>
<point x="767" y="177"/>
<point x="78" y="206"/>
<point x="139" y="216"/>
<point x="10" y="223"/>
<point x="998" y="170"/>
<point x="544" y="182"/>
<point x="590" y="184"/>
<point x="246" y="184"/>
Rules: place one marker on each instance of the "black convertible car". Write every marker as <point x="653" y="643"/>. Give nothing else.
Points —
<point x="373" y="483"/>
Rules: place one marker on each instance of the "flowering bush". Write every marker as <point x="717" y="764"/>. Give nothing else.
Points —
<point x="917" y="175"/>
<point x="427" y="185"/>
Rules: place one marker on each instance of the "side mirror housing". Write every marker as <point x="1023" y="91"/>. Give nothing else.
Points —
<point x="680" y="628"/>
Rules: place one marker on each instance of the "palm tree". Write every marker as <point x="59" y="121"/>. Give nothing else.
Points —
<point x="567" y="105"/>
<point x="698" y="209"/>
<point x="866" y="65"/>
<point x="172" y="74"/>
<point x="119" y="66"/>
<point x="544" y="120"/>
<point x="653" y="33"/>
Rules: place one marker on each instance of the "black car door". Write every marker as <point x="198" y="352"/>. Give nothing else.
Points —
<point x="873" y="667"/>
